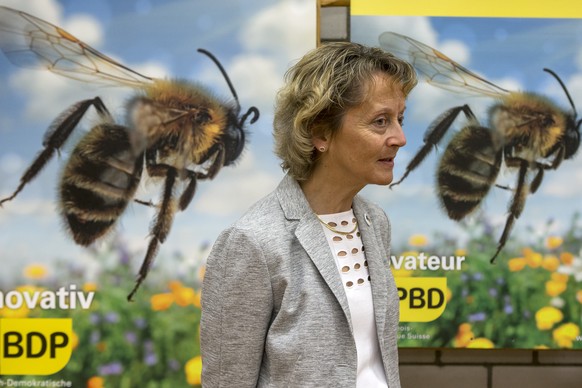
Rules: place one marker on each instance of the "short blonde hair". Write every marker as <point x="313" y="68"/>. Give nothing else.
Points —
<point x="319" y="89"/>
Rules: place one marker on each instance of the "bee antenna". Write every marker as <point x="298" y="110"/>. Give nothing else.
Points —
<point x="252" y="110"/>
<point x="219" y="65"/>
<point x="564" y="88"/>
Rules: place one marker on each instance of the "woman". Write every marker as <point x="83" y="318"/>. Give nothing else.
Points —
<point x="298" y="292"/>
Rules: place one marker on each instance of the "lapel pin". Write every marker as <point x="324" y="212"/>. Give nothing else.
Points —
<point x="367" y="219"/>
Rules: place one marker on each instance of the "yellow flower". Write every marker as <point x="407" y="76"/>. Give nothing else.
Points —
<point x="533" y="259"/>
<point x="553" y="242"/>
<point x="418" y="240"/>
<point x="566" y="258"/>
<point x="96" y="382"/>
<point x="162" y="301"/>
<point x="21" y="312"/>
<point x="579" y="296"/>
<point x="460" y="252"/>
<point x="550" y="263"/>
<point x="184" y="296"/>
<point x="35" y="271"/>
<point x="565" y="334"/>
<point x="516" y="264"/>
<point x="90" y="287"/>
<point x="554" y="288"/>
<point x="547" y="317"/>
<point x="481" y="343"/>
<point x="541" y="347"/>
<point x="193" y="369"/>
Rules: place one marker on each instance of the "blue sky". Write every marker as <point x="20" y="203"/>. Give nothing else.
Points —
<point x="255" y="41"/>
<point x="511" y="53"/>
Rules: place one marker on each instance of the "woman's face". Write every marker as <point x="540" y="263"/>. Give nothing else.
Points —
<point x="362" y="151"/>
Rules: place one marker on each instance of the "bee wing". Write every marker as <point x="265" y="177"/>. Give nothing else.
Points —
<point x="28" y="41"/>
<point x="438" y="69"/>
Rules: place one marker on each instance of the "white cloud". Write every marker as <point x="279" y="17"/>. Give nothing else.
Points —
<point x="286" y="30"/>
<point x="50" y="10"/>
<point x="367" y="29"/>
<point x="11" y="163"/>
<point x="20" y="207"/>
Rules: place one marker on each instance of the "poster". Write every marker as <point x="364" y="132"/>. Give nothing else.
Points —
<point x="451" y="296"/>
<point x="64" y="317"/>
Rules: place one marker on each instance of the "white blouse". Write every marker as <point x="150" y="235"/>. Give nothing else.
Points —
<point x="348" y="251"/>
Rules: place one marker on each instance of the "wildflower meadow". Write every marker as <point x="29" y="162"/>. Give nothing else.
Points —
<point x="530" y="298"/>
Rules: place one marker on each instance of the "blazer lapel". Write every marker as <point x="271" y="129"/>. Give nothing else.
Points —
<point x="310" y="235"/>
<point x="376" y="266"/>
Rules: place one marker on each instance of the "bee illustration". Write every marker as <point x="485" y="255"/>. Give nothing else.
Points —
<point x="527" y="133"/>
<point x="176" y="130"/>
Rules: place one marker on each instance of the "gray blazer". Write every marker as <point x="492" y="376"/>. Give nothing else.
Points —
<point x="274" y="310"/>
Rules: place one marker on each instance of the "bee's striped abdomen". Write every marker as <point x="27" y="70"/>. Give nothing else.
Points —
<point x="99" y="180"/>
<point x="467" y="170"/>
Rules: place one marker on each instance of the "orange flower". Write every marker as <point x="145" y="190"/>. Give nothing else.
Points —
<point x="96" y="382"/>
<point x="193" y="369"/>
<point x="198" y="299"/>
<point x="464" y="335"/>
<point x="162" y="301"/>
<point x="566" y="258"/>
<point x="579" y="296"/>
<point x="516" y="264"/>
<point x="560" y="277"/>
<point x="174" y="285"/>
<point x="74" y="340"/>
<point x="448" y="294"/>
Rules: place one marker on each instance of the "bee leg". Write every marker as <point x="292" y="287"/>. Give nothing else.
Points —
<point x="161" y="225"/>
<point x="219" y="159"/>
<point x="189" y="191"/>
<point x="537" y="181"/>
<point x="58" y="132"/>
<point x="145" y="203"/>
<point x="515" y="208"/>
<point x="434" y="135"/>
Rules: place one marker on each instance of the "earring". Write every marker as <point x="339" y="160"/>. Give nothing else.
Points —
<point x="322" y="149"/>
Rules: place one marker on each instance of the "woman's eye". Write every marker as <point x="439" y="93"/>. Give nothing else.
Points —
<point x="380" y="122"/>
